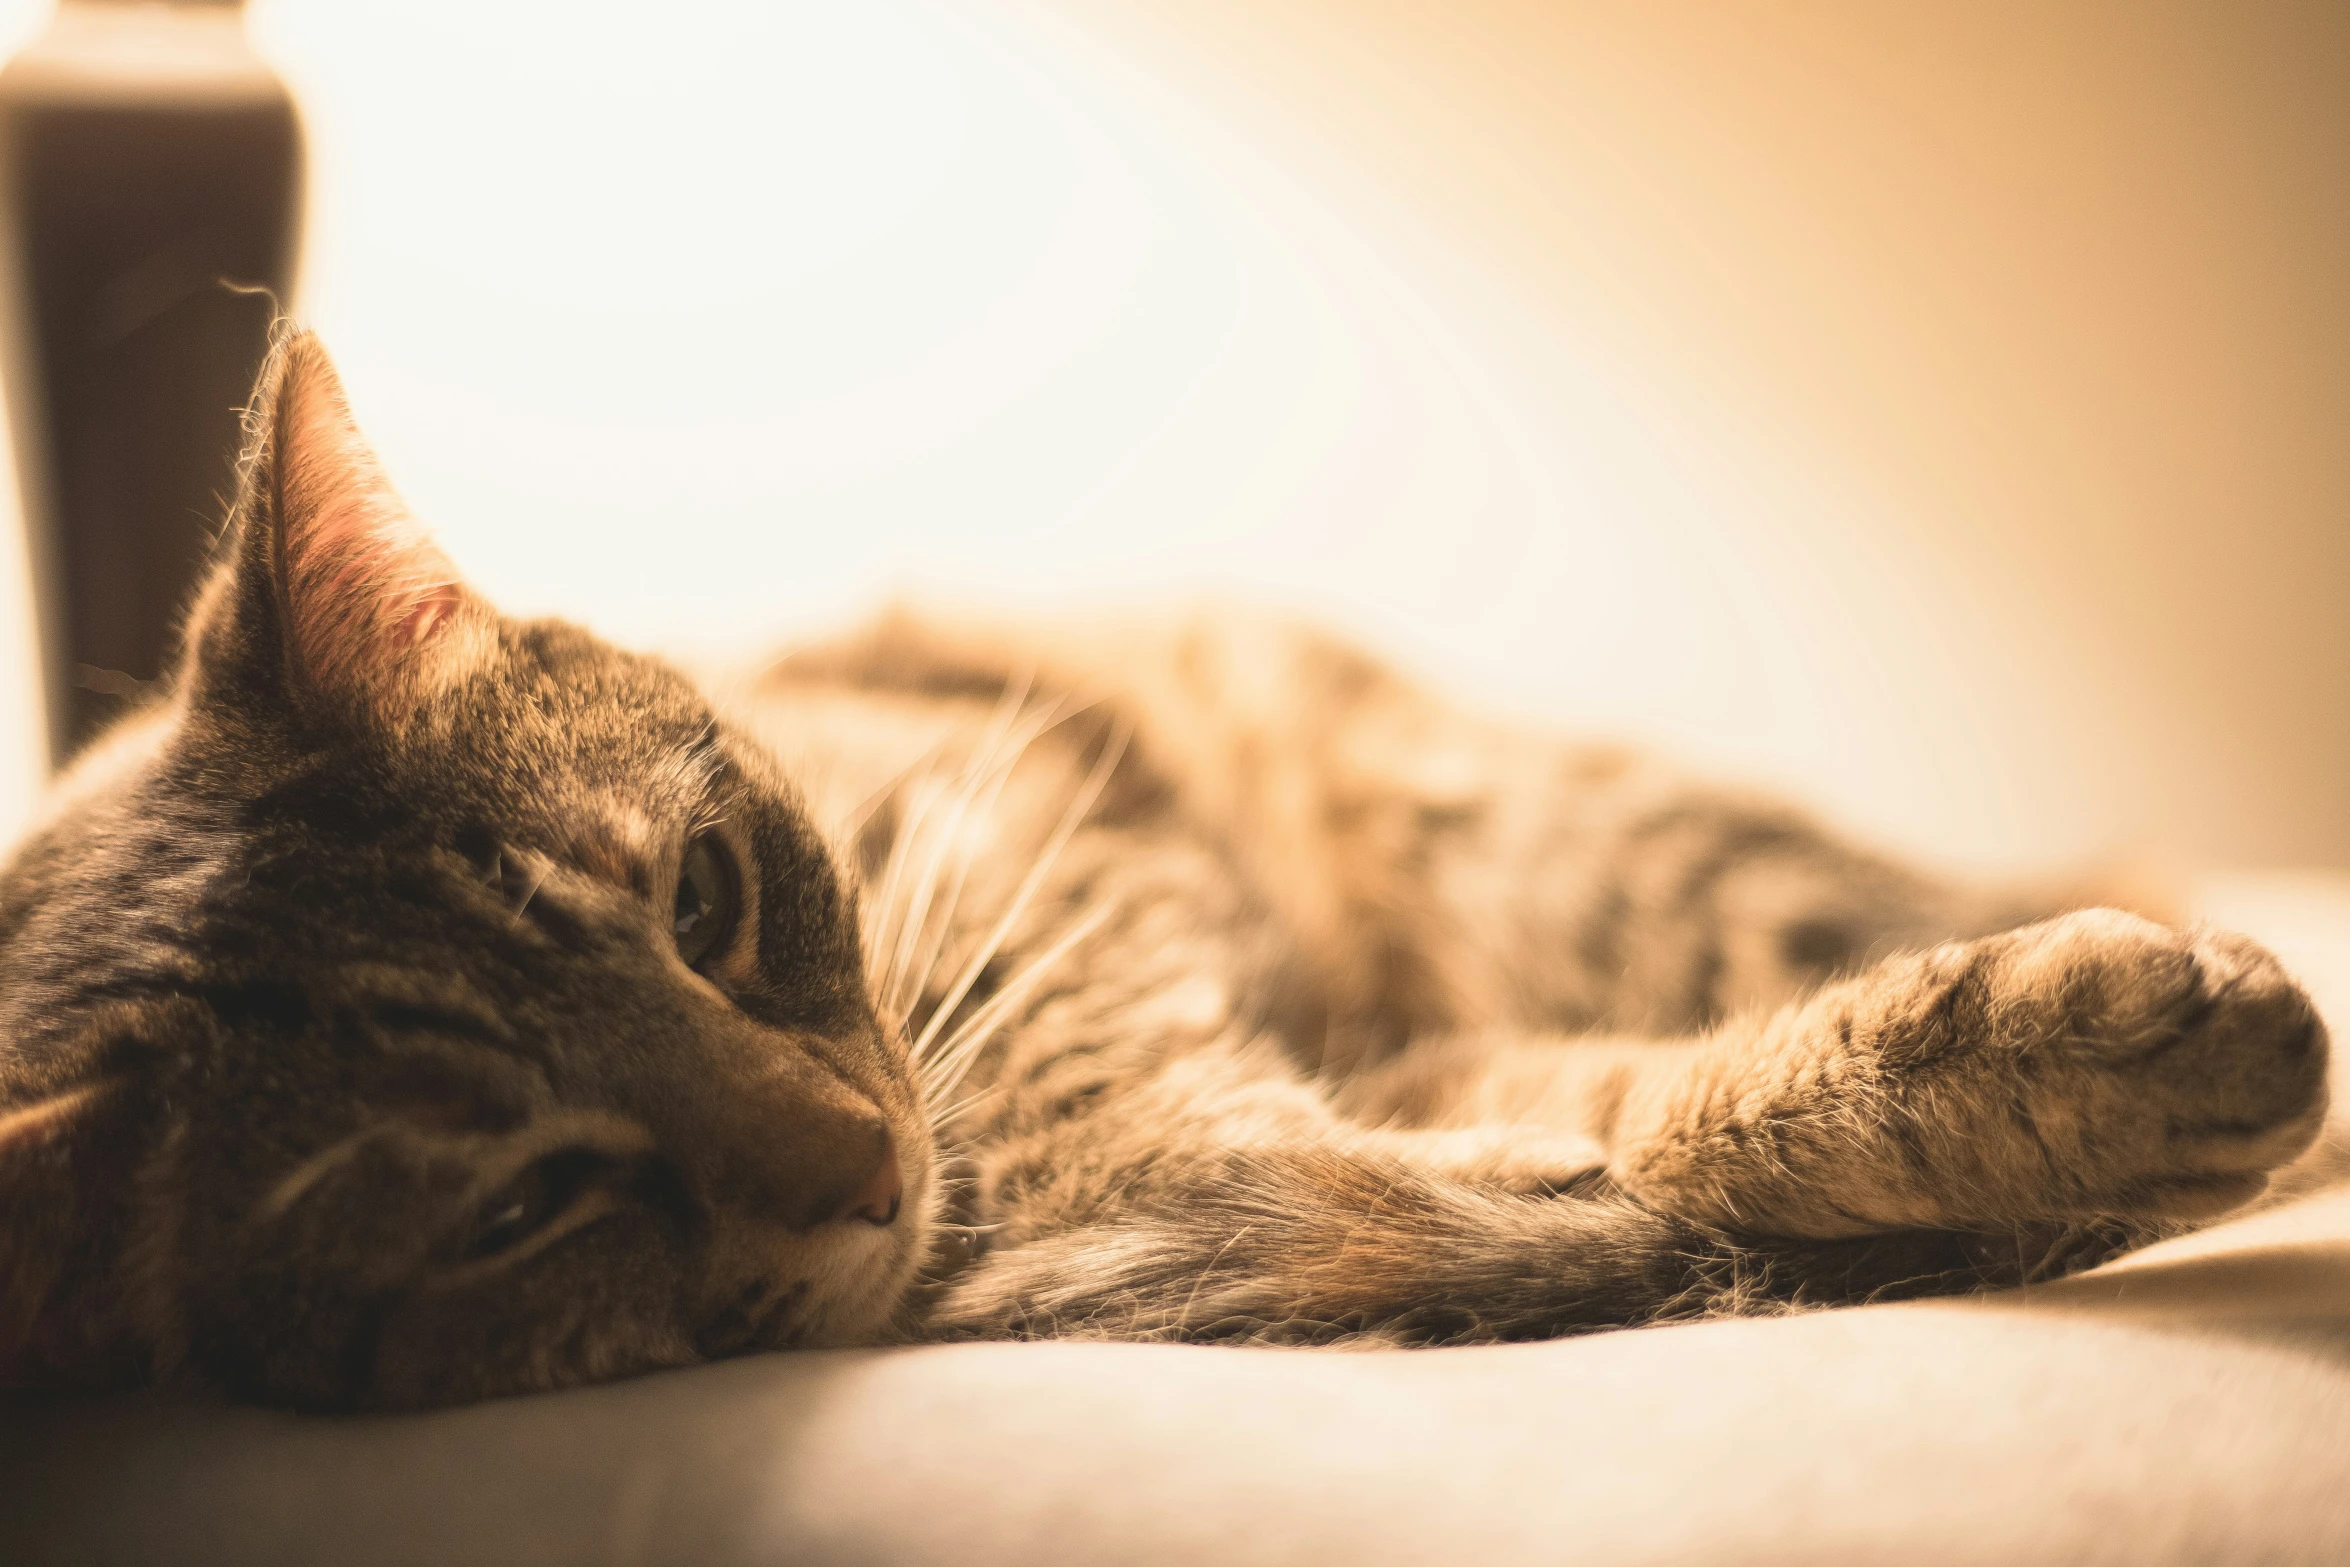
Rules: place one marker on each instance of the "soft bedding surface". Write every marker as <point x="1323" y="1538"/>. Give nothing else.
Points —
<point x="2190" y="1403"/>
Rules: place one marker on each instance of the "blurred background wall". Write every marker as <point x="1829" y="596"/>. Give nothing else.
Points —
<point x="1940" y="410"/>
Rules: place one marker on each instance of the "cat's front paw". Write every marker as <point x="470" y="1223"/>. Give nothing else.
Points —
<point x="2094" y="1065"/>
<point x="2165" y="1072"/>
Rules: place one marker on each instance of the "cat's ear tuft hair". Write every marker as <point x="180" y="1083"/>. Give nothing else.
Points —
<point x="332" y="585"/>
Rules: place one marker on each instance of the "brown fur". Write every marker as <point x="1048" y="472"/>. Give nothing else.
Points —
<point x="1197" y="980"/>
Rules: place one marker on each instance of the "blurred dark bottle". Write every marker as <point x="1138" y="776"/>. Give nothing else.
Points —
<point x="150" y="191"/>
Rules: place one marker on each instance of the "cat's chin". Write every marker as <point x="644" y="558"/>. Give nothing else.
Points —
<point x="866" y="1290"/>
<point x="858" y="1287"/>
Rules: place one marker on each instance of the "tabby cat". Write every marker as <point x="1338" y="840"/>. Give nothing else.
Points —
<point x="415" y="1005"/>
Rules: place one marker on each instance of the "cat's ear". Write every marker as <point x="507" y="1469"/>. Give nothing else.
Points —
<point x="332" y="592"/>
<point x="60" y="1157"/>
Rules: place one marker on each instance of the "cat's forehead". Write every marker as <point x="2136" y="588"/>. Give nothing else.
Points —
<point x="572" y="723"/>
<point x="566" y="747"/>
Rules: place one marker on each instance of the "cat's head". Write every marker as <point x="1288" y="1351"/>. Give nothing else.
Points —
<point x="421" y="1004"/>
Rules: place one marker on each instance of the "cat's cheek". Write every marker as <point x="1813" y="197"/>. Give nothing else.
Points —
<point x="607" y="1306"/>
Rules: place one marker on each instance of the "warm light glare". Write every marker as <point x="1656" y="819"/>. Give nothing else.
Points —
<point x="706" y="322"/>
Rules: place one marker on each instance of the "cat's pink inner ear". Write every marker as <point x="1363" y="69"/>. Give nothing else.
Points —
<point x="368" y="593"/>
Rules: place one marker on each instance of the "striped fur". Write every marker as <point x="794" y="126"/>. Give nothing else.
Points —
<point x="1303" y="1034"/>
<point x="1195" y="980"/>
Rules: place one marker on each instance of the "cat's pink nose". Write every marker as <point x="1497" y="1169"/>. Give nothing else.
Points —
<point x="877" y="1201"/>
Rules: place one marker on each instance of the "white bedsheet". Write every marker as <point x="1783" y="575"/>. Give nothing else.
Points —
<point x="2190" y="1404"/>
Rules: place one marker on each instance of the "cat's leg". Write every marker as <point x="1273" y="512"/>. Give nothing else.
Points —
<point x="2089" y="1066"/>
<point x="1984" y="1113"/>
<point x="1525" y="1158"/>
<point x="1312" y="1240"/>
<point x="1220" y="1197"/>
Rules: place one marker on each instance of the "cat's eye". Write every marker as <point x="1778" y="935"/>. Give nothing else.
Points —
<point x="709" y="892"/>
<point x="530" y="1202"/>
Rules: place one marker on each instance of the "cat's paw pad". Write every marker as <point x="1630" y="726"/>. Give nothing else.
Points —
<point x="2164" y="1072"/>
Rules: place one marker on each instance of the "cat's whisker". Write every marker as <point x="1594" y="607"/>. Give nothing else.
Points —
<point x="882" y="912"/>
<point x="309" y="1173"/>
<point x="846" y="830"/>
<point x="887" y="910"/>
<point x="945" y="1067"/>
<point x="946" y="1115"/>
<point x="980" y="766"/>
<point x="1080" y="807"/>
<point x="918" y="974"/>
<point x="961" y="1048"/>
<point x="536" y="882"/>
<point x="958" y="1243"/>
<point x="910" y="925"/>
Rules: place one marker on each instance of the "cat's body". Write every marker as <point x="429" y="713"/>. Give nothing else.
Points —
<point x="1332" y="976"/>
<point x="426" y="1006"/>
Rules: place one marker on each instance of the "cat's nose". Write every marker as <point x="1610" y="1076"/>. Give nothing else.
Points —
<point x="877" y="1201"/>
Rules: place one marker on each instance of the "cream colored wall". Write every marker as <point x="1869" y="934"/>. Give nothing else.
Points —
<point x="2045" y="303"/>
<point x="1934" y="409"/>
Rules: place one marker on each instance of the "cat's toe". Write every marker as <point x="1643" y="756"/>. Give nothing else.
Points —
<point x="2210" y="1058"/>
<point x="2245" y="1083"/>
